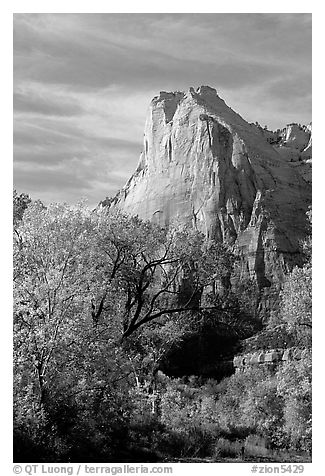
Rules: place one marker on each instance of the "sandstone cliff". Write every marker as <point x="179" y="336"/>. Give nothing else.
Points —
<point x="203" y="164"/>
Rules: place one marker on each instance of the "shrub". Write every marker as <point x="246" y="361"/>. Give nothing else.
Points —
<point x="228" y="449"/>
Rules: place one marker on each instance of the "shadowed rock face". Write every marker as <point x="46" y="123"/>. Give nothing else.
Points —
<point x="204" y="164"/>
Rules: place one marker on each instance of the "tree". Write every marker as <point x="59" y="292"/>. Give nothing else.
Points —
<point x="297" y="303"/>
<point x="67" y="370"/>
<point x="296" y="296"/>
<point x="159" y="277"/>
<point x="20" y="203"/>
<point x="49" y="283"/>
<point x="157" y="272"/>
<point x="294" y="385"/>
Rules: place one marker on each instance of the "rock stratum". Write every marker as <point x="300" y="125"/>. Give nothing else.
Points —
<point x="203" y="164"/>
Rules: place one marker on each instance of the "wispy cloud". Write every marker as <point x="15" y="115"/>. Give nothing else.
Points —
<point x="83" y="83"/>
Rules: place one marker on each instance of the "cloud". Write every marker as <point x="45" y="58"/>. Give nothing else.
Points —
<point x="291" y="87"/>
<point x="99" y="50"/>
<point x="42" y="105"/>
<point x="83" y="83"/>
<point x="70" y="179"/>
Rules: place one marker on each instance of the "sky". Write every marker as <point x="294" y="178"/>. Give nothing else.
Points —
<point x="83" y="83"/>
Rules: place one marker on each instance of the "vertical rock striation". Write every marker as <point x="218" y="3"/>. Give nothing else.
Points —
<point x="203" y="164"/>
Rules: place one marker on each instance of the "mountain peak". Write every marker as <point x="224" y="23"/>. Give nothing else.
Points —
<point x="205" y="98"/>
<point x="206" y="90"/>
<point x="203" y="90"/>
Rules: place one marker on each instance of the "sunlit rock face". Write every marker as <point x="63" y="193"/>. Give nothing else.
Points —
<point x="294" y="143"/>
<point x="296" y="136"/>
<point x="307" y="152"/>
<point x="203" y="164"/>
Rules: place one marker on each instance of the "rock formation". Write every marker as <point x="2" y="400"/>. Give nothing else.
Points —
<point x="307" y="152"/>
<point x="203" y="164"/>
<point x="271" y="358"/>
<point x="294" y="144"/>
<point x="296" y="136"/>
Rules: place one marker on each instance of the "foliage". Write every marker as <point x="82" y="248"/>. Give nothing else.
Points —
<point x="188" y="412"/>
<point x="66" y="369"/>
<point x="20" y="203"/>
<point x="101" y="301"/>
<point x="227" y="449"/>
<point x="297" y="304"/>
<point x="294" y="385"/>
<point x="296" y="297"/>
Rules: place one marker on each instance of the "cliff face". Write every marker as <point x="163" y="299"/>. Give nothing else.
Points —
<point x="296" y="137"/>
<point x="204" y="164"/>
<point x="294" y="144"/>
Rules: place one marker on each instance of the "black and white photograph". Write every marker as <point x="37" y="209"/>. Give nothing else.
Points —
<point x="162" y="222"/>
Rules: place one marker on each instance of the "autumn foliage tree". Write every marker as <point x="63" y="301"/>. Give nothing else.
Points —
<point x="60" y="357"/>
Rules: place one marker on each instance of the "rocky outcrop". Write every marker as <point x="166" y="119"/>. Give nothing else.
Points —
<point x="296" y="136"/>
<point x="203" y="164"/>
<point x="294" y="144"/>
<point x="296" y="147"/>
<point x="307" y="152"/>
<point x="271" y="358"/>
